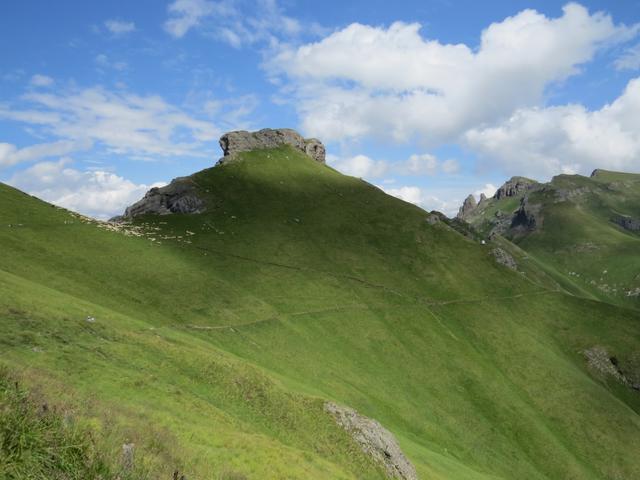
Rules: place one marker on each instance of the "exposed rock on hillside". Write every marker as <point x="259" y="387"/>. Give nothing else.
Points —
<point x="375" y="440"/>
<point x="514" y="187"/>
<point x="504" y="258"/>
<point x="602" y="362"/>
<point x="180" y="196"/>
<point x="628" y="223"/>
<point x="243" y="141"/>
<point x="528" y="216"/>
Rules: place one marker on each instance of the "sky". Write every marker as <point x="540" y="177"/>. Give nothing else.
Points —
<point x="428" y="99"/>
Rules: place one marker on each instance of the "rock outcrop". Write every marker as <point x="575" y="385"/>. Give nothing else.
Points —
<point x="236" y="142"/>
<point x="180" y="196"/>
<point x="504" y="258"/>
<point x="628" y="223"/>
<point x="528" y="216"/>
<point x="605" y="364"/>
<point x="467" y="207"/>
<point x="375" y="440"/>
<point x="514" y="187"/>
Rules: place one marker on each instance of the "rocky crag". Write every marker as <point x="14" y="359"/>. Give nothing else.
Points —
<point x="375" y="440"/>
<point x="181" y="195"/>
<point x="526" y="217"/>
<point x="514" y="187"/>
<point x="236" y="142"/>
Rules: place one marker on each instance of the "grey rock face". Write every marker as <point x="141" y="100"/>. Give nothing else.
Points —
<point x="504" y="258"/>
<point x="563" y="194"/>
<point x="515" y="186"/>
<point x="628" y="223"/>
<point x="467" y="207"/>
<point x="243" y="141"/>
<point x="374" y="440"/>
<point x="528" y="216"/>
<point x="179" y="196"/>
<point x="315" y="149"/>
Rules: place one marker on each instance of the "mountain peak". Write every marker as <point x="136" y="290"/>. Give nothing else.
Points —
<point x="239" y="141"/>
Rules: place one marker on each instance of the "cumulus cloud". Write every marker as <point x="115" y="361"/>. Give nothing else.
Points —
<point x="359" y="166"/>
<point x="427" y="199"/>
<point x="41" y="80"/>
<point x="393" y="83"/>
<point x="98" y="194"/>
<point x="121" y="122"/>
<point x="416" y="165"/>
<point x="540" y="142"/>
<point x="120" y="27"/>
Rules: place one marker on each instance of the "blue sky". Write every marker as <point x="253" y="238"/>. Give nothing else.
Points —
<point x="430" y="100"/>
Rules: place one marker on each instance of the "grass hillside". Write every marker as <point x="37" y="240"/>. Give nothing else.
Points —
<point x="578" y="240"/>
<point x="211" y="341"/>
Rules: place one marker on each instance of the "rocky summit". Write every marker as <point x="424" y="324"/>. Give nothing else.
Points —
<point x="181" y="195"/>
<point x="233" y="143"/>
<point x="514" y="187"/>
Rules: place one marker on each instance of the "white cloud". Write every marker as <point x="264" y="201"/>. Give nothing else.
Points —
<point x="488" y="190"/>
<point x="235" y="22"/>
<point x="186" y="14"/>
<point x="629" y="60"/>
<point x="365" y="81"/>
<point x="121" y="122"/>
<point x="450" y="166"/>
<point x="120" y="27"/>
<point x="99" y="194"/>
<point x="12" y="155"/>
<point x="41" y="80"/>
<point x="416" y="165"/>
<point x="426" y="199"/>
<point x="408" y="194"/>
<point x="541" y="142"/>
<point x="425" y="164"/>
<point x="359" y="166"/>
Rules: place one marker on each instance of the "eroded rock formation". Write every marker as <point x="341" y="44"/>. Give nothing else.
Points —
<point x="514" y="187"/>
<point x="180" y="196"/>
<point x="243" y="141"/>
<point x="467" y="207"/>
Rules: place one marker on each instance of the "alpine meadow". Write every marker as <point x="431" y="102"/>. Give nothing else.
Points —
<point x="319" y="306"/>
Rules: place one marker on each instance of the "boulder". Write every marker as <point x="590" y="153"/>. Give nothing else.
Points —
<point x="375" y="440"/>
<point x="239" y="141"/>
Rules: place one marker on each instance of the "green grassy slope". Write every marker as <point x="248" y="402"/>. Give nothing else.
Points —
<point x="217" y="336"/>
